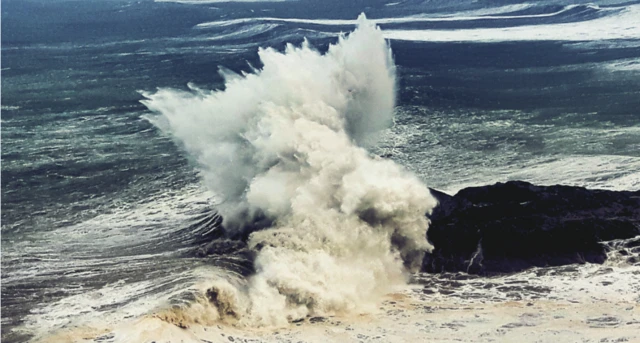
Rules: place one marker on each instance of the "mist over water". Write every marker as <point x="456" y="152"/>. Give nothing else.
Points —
<point x="286" y="145"/>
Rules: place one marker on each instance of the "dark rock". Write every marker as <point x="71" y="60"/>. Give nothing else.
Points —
<point x="511" y="226"/>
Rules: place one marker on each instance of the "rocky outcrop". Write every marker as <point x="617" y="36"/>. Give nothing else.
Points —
<point x="503" y="228"/>
<point x="508" y="227"/>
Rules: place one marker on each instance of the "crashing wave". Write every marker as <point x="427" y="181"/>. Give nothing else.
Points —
<point x="331" y="225"/>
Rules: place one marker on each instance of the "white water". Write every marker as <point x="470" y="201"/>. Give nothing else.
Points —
<point x="622" y="25"/>
<point x="324" y="254"/>
<point x="485" y="14"/>
<point x="286" y="142"/>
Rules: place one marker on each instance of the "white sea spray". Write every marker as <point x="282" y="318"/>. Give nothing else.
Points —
<point x="286" y="144"/>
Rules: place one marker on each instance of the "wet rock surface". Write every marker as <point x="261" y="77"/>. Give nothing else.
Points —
<point x="509" y="227"/>
<point x="502" y="228"/>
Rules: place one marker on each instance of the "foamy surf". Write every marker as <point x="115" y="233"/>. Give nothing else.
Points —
<point x="108" y="234"/>
<point x="284" y="149"/>
<point x="620" y="24"/>
<point x="500" y="13"/>
<point x="567" y="303"/>
<point x="284" y="146"/>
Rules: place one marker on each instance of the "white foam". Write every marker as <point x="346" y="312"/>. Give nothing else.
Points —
<point x="567" y="304"/>
<point x="94" y="313"/>
<point x="287" y="142"/>
<point x="602" y="172"/>
<point x="486" y="14"/>
<point x="622" y="25"/>
<point x="129" y="229"/>
<point x="624" y="65"/>
<point x="245" y="32"/>
<point x="619" y="173"/>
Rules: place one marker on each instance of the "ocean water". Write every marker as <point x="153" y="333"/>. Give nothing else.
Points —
<point x="116" y="152"/>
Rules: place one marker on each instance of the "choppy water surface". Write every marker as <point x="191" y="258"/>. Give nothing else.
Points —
<point x="101" y="209"/>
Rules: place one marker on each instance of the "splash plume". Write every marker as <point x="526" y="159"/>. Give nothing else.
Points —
<point x="287" y="144"/>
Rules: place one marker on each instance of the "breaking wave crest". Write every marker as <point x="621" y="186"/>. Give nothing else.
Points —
<point x="285" y="146"/>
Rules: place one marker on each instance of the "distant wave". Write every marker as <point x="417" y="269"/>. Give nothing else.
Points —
<point x="617" y="173"/>
<point x="245" y="32"/>
<point x="460" y="16"/>
<point x="626" y="65"/>
<point x="571" y="23"/>
<point x="624" y="24"/>
<point x="620" y="173"/>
